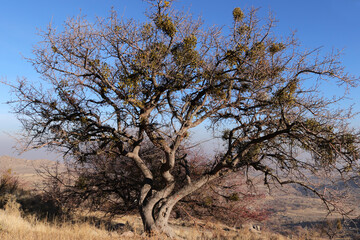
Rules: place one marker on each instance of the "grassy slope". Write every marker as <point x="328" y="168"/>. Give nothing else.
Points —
<point x="15" y="227"/>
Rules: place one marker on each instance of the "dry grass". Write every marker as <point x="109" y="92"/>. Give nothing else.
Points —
<point x="218" y="232"/>
<point x="13" y="226"/>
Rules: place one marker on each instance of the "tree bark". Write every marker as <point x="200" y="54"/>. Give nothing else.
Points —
<point x="155" y="221"/>
<point x="156" y="210"/>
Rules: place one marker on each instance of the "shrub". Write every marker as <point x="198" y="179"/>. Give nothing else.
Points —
<point x="9" y="186"/>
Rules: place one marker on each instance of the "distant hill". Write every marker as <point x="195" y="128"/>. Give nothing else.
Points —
<point x="24" y="169"/>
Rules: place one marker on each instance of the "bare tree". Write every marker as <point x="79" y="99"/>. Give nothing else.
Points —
<point x="109" y="86"/>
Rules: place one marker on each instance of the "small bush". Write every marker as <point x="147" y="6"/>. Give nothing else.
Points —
<point x="11" y="205"/>
<point x="9" y="187"/>
<point x="8" y="183"/>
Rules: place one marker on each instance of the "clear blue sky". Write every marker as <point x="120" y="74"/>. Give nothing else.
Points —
<point x="327" y="23"/>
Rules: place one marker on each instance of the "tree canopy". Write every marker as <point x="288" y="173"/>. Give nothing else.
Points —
<point x="107" y="87"/>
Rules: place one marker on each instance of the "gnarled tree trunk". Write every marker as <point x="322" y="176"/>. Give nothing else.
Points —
<point x="156" y="207"/>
